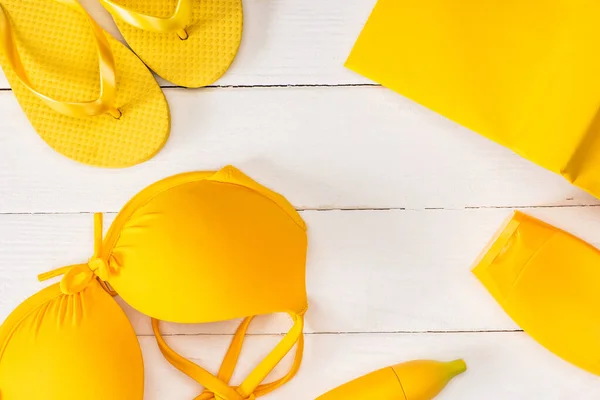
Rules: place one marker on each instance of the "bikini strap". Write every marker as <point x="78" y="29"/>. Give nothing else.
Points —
<point x="78" y="276"/>
<point x="217" y="387"/>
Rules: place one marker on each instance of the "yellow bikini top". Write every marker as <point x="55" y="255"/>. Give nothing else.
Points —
<point x="194" y="248"/>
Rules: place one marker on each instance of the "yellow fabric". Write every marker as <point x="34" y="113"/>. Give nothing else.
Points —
<point x="220" y="228"/>
<point x="548" y="281"/>
<point x="413" y="380"/>
<point x="56" y="346"/>
<point x="523" y="75"/>
<point x="72" y="340"/>
<point x="205" y="247"/>
<point x="78" y="277"/>
<point x="56" y="58"/>
<point x="190" y="43"/>
<point x="216" y="388"/>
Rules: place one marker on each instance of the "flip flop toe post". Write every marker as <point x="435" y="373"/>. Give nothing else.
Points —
<point x="87" y="95"/>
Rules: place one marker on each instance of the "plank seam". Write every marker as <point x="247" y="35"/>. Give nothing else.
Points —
<point x="434" y="332"/>
<point x="263" y="86"/>
<point x="346" y="209"/>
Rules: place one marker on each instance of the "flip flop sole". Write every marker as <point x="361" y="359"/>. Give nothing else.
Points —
<point x="215" y="34"/>
<point x="59" y="53"/>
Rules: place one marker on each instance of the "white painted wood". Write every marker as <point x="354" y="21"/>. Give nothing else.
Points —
<point x="384" y="285"/>
<point x="501" y="365"/>
<point x="368" y="271"/>
<point x="320" y="147"/>
<point x="291" y="42"/>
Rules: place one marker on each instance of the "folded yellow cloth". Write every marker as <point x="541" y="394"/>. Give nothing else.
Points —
<point x="522" y="74"/>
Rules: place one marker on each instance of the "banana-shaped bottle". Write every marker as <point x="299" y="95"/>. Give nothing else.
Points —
<point x="414" y="380"/>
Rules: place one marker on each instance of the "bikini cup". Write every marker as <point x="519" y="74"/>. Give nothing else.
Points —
<point x="204" y="247"/>
<point x="58" y="346"/>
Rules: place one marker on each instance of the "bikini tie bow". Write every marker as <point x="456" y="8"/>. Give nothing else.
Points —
<point x="77" y="277"/>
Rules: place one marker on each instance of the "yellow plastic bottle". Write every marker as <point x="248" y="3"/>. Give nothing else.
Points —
<point x="414" y="380"/>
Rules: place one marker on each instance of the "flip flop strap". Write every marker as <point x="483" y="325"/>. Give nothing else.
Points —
<point x="175" y="23"/>
<point x="108" y="87"/>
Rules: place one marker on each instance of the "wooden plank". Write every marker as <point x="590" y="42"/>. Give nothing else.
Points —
<point x="368" y="271"/>
<point x="288" y="42"/>
<point x="321" y="147"/>
<point x="501" y="365"/>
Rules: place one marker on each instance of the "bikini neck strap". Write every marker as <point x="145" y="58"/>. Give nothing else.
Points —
<point x="217" y="387"/>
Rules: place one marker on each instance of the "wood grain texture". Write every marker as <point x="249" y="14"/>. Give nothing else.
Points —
<point x="399" y="202"/>
<point x="321" y="147"/>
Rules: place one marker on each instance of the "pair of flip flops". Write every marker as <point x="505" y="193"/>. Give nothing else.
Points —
<point x="90" y="97"/>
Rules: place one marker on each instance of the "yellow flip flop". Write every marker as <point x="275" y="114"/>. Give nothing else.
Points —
<point x="190" y="43"/>
<point x="56" y="58"/>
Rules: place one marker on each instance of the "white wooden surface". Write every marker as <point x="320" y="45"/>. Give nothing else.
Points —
<point x="399" y="201"/>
